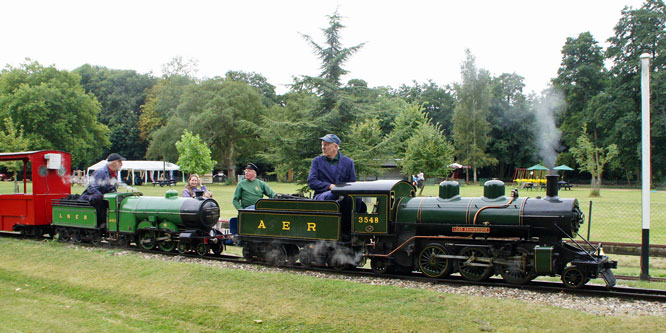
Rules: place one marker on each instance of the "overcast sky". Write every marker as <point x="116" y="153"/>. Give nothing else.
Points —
<point x="405" y="40"/>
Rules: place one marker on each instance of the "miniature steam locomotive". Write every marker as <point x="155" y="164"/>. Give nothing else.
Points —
<point x="518" y="238"/>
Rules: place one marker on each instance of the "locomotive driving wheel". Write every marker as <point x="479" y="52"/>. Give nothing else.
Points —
<point x="167" y="245"/>
<point x="202" y="249"/>
<point x="472" y="268"/>
<point x="431" y="263"/>
<point x="147" y="240"/>
<point x="217" y="248"/>
<point x="182" y="248"/>
<point x="573" y="277"/>
<point x="521" y="269"/>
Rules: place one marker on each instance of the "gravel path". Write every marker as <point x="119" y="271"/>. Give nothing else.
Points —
<point x="602" y="306"/>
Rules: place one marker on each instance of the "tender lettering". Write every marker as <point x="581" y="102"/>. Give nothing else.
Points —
<point x="285" y="225"/>
<point x="261" y="225"/>
<point x="312" y="226"/>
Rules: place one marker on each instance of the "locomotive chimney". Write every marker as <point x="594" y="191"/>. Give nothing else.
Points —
<point x="551" y="187"/>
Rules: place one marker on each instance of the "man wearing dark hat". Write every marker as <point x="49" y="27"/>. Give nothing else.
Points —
<point x="103" y="181"/>
<point x="330" y="168"/>
<point x="251" y="189"/>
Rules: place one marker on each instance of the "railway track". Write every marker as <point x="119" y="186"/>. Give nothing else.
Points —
<point x="537" y="285"/>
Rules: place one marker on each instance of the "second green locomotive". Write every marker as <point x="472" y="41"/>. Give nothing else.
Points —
<point x="168" y="222"/>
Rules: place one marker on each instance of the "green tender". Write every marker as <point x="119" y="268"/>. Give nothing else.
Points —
<point x="79" y="217"/>
<point x="289" y="225"/>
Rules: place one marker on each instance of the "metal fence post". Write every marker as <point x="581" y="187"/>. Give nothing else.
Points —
<point x="646" y="177"/>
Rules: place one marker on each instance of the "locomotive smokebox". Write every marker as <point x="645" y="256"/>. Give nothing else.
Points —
<point x="551" y="187"/>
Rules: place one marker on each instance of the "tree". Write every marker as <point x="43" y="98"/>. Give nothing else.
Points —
<point x="365" y="146"/>
<point x="291" y="135"/>
<point x="581" y="76"/>
<point x="267" y="90"/>
<point x="639" y="31"/>
<point x="513" y="143"/>
<point x="406" y="123"/>
<point x="53" y="110"/>
<point x="593" y="159"/>
<point x="438" y="102"/>
<point x="193" y="155"/>
<point x="327" y="84"/>
<point x="470" y="117"/>
<point x="12" y="140"/>
<point x="427" y="151"/>
<point x="121" y="94"/>
<point x="227" y="116"/>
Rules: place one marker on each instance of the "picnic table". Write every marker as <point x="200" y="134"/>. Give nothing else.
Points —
<point x="162" y="183"/>
<point x="563" y="184"/>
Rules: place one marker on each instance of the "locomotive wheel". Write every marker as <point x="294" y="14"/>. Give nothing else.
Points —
<point x="277" y="256"/>
<point x="305" y="258"/>
<point x="573" y="277"/>
<point x="519" y="273"/>
<point x="247" y="253"/>
<point x="182" y="248"/>
<point x="63" y="235"/>
<point x="95" y="237"/>
<point x="379" y="265"/>
<point x="467" y="268"/>
<point x="433" y="266"/>
<point x="217" y="248"/>
<point x="202" y="249"/>
<point x="147" y="240"/>
<point x="167" y="246"/>
<point x="76" y="237"/>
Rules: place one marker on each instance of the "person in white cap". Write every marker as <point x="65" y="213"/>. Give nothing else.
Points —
<point x="330" y="168"/>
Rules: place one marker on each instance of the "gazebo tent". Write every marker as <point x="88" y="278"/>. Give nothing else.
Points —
<point x="148" y="167"/>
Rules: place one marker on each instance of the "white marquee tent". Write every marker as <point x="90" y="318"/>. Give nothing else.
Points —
<point x="147" y="169"/>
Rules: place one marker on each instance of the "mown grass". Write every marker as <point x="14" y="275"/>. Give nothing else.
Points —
<point x="47" y="286"/>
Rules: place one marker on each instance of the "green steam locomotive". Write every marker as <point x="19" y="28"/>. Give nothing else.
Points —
<point x="168" y="222"/>
<point x="518" y="238"/>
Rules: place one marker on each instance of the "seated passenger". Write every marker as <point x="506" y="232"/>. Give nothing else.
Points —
<point x="250" y="189"/>
<point x="193" y="185"/>
<point x="103" y="181"/>
<point x="330" y="168"/>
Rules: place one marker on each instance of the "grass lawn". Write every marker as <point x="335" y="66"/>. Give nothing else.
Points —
<point x="48" y="286"/>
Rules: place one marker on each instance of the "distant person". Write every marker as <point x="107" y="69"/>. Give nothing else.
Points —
<point x="103" y="181"/>
<point x="251" y="189"/>
<point x="330" y="168"/>
<point x="193" y="185"/>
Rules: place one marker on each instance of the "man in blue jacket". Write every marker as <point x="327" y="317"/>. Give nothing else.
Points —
<point x="330" y="168"/>
<point x="103" y="181"/>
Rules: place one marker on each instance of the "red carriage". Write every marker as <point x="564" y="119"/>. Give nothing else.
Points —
<point x="28" y="210"/>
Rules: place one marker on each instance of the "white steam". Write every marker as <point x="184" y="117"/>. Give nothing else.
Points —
<point x="547" y="134"/>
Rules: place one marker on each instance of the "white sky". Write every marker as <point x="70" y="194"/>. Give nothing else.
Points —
<point x="405" y="40"/>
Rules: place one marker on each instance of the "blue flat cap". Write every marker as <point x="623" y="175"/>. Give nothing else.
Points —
<point x="332" y="138"/>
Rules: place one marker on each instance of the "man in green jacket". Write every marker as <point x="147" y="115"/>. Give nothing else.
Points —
<point x="250" y="189"/>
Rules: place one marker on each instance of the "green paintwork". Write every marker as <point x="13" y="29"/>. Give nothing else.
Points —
<point x="298" y="205"/>
<point x="112" y="214"/>
<point x="289" y="225"/>
<point x="149" y="210"/>
<point x="81" y="217"/>
<point x="543" y="259"/>
<point x="459" y="210"/>
<point x="374" y="221"/>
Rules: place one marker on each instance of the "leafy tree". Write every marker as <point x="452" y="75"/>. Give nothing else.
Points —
<point x="53" y="110"/>
<point x="639" y="31"/>
<point x="581" y="76"/>
<point x="470" y="117"/>
<point x="438" y="102"/>
<point x="327" y="85"/>
<point x="161" y="103"/>
<point x="427" y="151"/>
<point x="12" y="140"/>
<point x="267" y="90"/>
<point x="593" y="159"/>
<point x="512" y="126"/>
<point x="291" y="135"/>
<point x="406" y="123"/>
<point x="227" y="118"/>
<point x="365" y="146"/>
<point x="193" y="155"/>
<point x="121" y="94"/>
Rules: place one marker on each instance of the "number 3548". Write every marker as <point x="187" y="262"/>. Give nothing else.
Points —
<point x="366" y="219"/>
